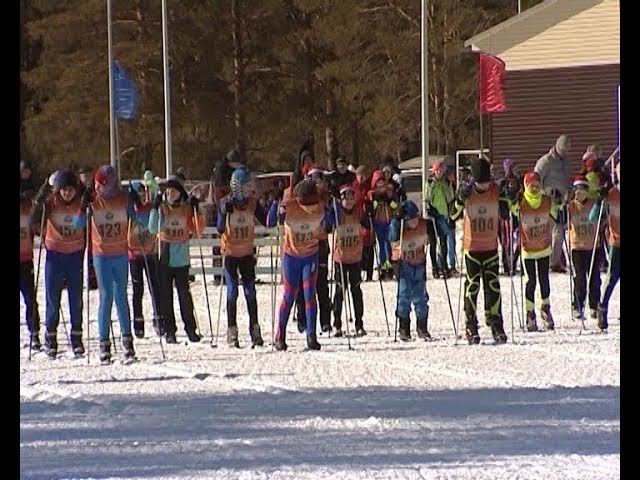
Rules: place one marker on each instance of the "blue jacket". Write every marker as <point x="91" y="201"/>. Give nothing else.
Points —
<point x="178" y="253"/>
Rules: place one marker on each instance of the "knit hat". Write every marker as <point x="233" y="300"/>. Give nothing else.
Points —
<point x="344" y="189"/>
<point x="177" y="185"/>
<point x="362" y="170"/>
<point x="315" y="173"/>
<point x="25" y="165"/>
<point x="239" y="185"/>
<point x="531" y="177"/>
<point x="137" y="186"/>
<point x="580" y="181"/>
<point x="480" y="170"/>
<point x="437" y="166"/>
<point x="306" y="192"/>
<point x="52" y="178"/>
<point x="507" y="165"/>
<point x="410" y="210"/>
<point x="341" y="159"/>
<point x="65" y="179"/>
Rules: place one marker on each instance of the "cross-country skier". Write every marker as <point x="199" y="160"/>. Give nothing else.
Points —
<point x="174" y="217"/>
<point x="612" y="198"/>
<point x="483" y="208"/>
<point x="536" y="212"/>
<point x="236" y="226"/>
<point x="110" y="212"/>
<point x="65" y="244"/>
<point x="305" y="219"/>
<point x="408" y="237"/>
<point x="27" y="281"/>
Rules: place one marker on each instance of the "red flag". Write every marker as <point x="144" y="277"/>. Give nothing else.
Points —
<point x="491" y="74"/>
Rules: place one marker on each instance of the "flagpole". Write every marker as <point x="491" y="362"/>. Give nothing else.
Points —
<point x="480" y="107"/>
<point x="425" y="101"/>
<point x="167" y="86"/>
<point x="112" y="126"/>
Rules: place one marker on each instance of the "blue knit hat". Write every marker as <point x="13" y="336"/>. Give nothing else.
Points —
<point x="240" y="186"/>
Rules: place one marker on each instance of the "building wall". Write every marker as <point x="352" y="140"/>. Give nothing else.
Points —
<point x="563" y="33"/>
<point x="542" y="104"/>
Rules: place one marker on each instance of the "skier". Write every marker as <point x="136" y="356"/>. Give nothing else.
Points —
<point x="361" y="187"/>
<point x="582" y="236"/>
<point x="143" y="257"/>
<point x="385" y="202"/>
<point x="612" y="197"/>
<point x="347" y="255"/>
<point x="408" y="237"/>
<point x="322" y="280"/>
<point x="236" y="226"/>
<point x="110" y="211"/>
<point x="482" y="208"/>
<point x="305" y="219"/>
<point x="536" y="211"/>
<point x="27" y="282"/>
<point x="174" y="216"/>
<point x="65" y="244"/>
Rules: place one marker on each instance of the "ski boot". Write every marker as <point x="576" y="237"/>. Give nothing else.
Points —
<point x="302" y="323"/>
<point x="497" y="330"/>
<point x="105" y="352"/>
<point x="138" y="327"/>
<point x="34" y="338"/>
<point x="578" y="313"/>
<point x="421" y="328"/>
<point x="51" y="344"/>
<point x="360" y="332"/>
<point x="472" y="331"/>
<point x="171" y="338"/>
<point x="256" y="335"/>
<point x="232" y="337"/>
<point x="338" y="333"/>
<point x="404" y="330"/>
<point x="593" y="313"/>
<point x="194" y="337"/>
<point x="603" y="323"/>
<point x="280" y="344"/>
<point x="312" y="342"/>
<point x="545" y="313"/>
<point x="129" y="355"/>
<point x="76" y="343"/>
<point x="158" y="326"/>
<point x="532" y="324"/>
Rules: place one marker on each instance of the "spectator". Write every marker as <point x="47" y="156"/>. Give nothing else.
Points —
<point x="553" y="168"/>
<point x="28" y="187"/>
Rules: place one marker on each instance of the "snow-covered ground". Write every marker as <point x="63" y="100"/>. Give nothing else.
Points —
<point x="544" y="406"/>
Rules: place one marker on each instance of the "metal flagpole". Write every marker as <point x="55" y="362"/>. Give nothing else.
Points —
<point x="167" y="102"/>
<point x="112" y="120"/>
<point x="425" y="103"/>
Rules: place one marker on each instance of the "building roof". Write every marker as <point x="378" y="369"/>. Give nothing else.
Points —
<point x="555" y="34"/>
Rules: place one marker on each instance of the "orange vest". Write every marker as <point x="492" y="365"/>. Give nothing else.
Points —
<point x="614" y="216"/>
<point x="60" y="234"/>
<point x="582" y="232"/>
<point x="536" y="225"/>
<point x="176" y="226"/>
<point x="302" y="227"/>
<point x="26" y="233"/>
<point x="413" y="245"/>
<point x="110" y="225"/>
<point x="237" y="238"/>
<point x="141" y="241"/>
<point x="347" y="242"/>
<point x="481" y="220"/>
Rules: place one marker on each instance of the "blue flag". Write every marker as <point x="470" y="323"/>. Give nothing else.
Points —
<point x="125" y="94"/>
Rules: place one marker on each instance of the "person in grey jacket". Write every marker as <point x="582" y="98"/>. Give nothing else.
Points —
<point x="553" y="169"/>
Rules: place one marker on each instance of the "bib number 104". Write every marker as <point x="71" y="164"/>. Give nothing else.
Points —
<point x="482" y="224"/>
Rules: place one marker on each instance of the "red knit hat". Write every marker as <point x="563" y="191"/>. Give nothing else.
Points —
<point x="580" y="181"/>
<point x="530" y="177"/>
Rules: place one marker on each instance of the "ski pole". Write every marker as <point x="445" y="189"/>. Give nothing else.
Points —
<point x="88" y="243"/>
<point x="222" y="282"/>
<point x="376" y="254"/>
<point x="35" y="290"/>
<point x="395" y="329"/>
<point x="446" y="287"/>
<point x="204" y="277"/>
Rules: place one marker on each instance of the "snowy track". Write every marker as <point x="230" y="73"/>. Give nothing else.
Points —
<point x="545" y="405"/>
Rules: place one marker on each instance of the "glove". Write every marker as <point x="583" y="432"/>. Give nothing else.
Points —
<point x="194" y="202"/>
<point x="157" y="201"/>
<point x="86" y="198"/>
<point x="43" y="193"/>
<point x="562" y="217"/>
<point x="228" y="208"/>
<point x="520" y="196"/>
<point x="432" y="211"/>
<point x="464" y="193"/>
<point x="400" y="212"/>
<point x="134" y="197"/>
<point x="511" y="193"/>
<point x="368" y="209"/>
